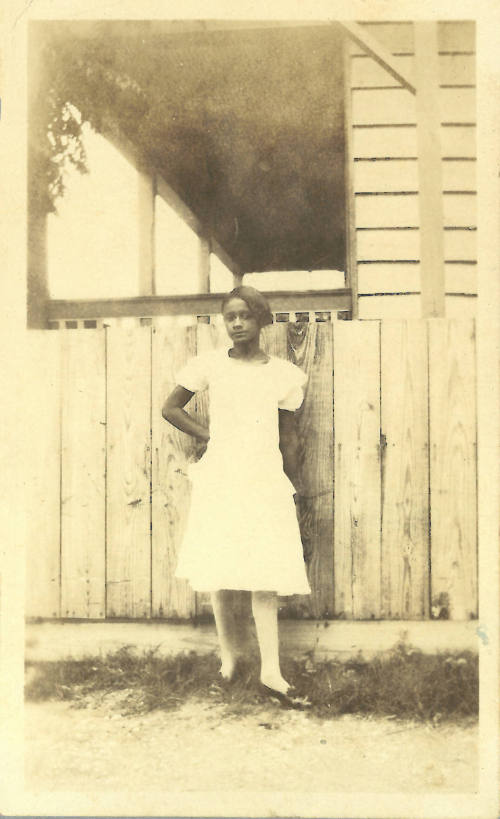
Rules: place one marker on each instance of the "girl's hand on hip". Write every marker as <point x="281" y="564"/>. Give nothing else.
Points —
<point x="199" y="449"/>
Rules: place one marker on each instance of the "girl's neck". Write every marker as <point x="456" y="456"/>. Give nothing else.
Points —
<point x="247" y="350"/>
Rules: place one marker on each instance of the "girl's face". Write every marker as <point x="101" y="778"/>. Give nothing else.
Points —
<point x="241" y="324"/>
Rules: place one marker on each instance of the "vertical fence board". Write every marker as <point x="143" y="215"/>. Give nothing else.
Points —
<point x="83" y="421"/>
<point x="405" y="470"/>
<point x="453" y="469"/>
<point x="311" y="348"/>
<point x="274" y="340"/>
<point x="172" y="347"/>
<point x="357" y="469"/>
<point x="43" y="477"/>
<point x="128" y="470"/>
<point x="208" y="337"/>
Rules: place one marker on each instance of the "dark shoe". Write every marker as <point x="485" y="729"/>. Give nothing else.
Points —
<point x="288" y="700"/>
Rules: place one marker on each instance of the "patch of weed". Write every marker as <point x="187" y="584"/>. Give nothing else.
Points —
<point x="404" y="683"/>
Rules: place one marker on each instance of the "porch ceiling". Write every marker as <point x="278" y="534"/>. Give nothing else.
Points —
<point x="247" y="126"/>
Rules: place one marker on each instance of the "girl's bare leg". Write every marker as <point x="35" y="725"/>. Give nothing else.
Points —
<point x="265" y="613"/>
<point x="226" y="631"/>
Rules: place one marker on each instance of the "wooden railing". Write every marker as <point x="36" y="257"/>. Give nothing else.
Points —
<point x="309" y="305"/>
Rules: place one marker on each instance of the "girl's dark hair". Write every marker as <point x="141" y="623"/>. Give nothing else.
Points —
<point x="257" y="303"/>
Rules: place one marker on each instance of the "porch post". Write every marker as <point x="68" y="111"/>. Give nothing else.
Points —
<point x="432" y="281"/>
<point x="146" y="206"/>
<point x="37" y="278"/>
<point x="204" y="264"/>
<point x="37" y="202"/>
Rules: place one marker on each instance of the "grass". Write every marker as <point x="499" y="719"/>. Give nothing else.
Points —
<point x="404" y="683"/>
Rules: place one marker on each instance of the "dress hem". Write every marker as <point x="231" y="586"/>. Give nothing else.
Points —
<point x="279" y="592"/>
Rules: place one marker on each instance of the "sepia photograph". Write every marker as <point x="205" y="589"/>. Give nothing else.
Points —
<point x="252" y="562"/>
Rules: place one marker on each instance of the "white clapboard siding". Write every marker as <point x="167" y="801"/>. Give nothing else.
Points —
<point x="456" y="35"/>
<point x="459" y="175"/>
<point x="389" y="106"/>
<point x="389" y="307"/>
<point x="457" y="104"/>
<point x="395" y="175"/>
<point x="457" y="69"/>
<point x="454" y="69"/>
<point x="460" y="210"/>
<point x="458" y="141"/>
<point x="397" y="37"/>
<point x="386" y="244"/>
<point x="401" y="210"/>
<point x="398" y="210"/>
<point x="409" y="307"/>
<point x="458" y="307"/>
<point x="385" y="171"/>
<point x="367" y="73"/>
<point x="388" y="278"/>
<point x="460" y="278"/>
<point x="383" y="106"/>
<point x="399" y="142"/>
<point x="386" y="176"/>
<point x="405" y="278"/>
<point x="460" y="245"/>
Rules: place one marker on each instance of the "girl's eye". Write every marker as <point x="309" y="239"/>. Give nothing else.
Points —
<point x="233" y="316"/>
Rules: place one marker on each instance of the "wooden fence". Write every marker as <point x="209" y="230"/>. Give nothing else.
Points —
<point x="388" y="431"/>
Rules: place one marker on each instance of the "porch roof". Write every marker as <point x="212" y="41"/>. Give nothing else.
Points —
<point x="247" y="127"/>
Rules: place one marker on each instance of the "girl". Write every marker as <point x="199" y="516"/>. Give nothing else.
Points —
<point x="242" y="531"/>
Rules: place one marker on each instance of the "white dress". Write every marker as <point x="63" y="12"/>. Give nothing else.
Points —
<point x="242" y="530"/>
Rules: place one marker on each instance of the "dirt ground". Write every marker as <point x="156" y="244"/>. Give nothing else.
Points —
<point x="199" y="747"/>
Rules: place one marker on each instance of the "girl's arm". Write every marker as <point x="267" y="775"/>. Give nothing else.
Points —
<point x="290" y="447"/>
<point x="174" y="413"/>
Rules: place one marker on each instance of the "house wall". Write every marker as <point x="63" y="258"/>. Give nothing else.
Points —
<point x="385" y="173"/>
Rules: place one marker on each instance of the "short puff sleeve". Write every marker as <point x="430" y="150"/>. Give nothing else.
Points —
<point x="292" y="394"/>
<point x="193" y="375"/>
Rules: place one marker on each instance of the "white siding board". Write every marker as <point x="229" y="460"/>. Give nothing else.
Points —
<point x="388" y="278"/>
<point x="459" y="176"/>
<point x="389" y="307"/>
<point x="457" y="35"/>
<point x="460" y="245"/>
<point x="402" y="210"/>
<point x="387" y="244"/>
<point x="387" y="106"/>
<point x="396" y="175"/>
<point x="397" y="105"/>
<point x="386" y="176"/>
<point x="461" y="278"/>
<point x="396" y="37"/>
<point x="397" y="142"/>
<point x="454" y="69"/>
<point x="453" y="35"/>
<point x="460" y="307"/>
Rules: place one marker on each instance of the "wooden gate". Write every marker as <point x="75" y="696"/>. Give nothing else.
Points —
<point x="388" y="432"/>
